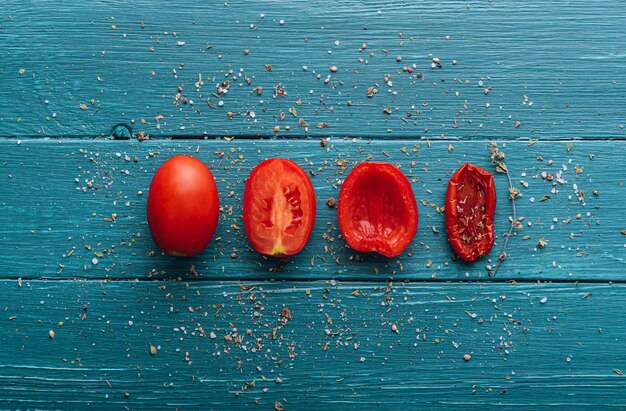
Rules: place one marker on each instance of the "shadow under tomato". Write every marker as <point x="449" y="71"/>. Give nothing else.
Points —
<point x="165" y="267"/>
<point x="375" y="264"/>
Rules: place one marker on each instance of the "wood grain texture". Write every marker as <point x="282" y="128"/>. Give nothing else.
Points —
<point x="138" y="330"/>
<point x="567" y="59"/>
<point x="59" y="200"/>
<point x="532" y="346"/>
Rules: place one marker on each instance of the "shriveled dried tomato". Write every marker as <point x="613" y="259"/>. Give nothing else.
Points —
<point x="470" y="209"/>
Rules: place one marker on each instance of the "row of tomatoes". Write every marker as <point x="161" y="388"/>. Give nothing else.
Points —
<point x="377" y="211"/>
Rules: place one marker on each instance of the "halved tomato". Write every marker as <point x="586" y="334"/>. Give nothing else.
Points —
<point x="278" y="208"/>
<point x="470" y="209"/>
<point x="377" y="209"/>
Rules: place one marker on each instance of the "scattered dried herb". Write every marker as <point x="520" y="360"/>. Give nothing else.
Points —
<point x="497" y="158"/>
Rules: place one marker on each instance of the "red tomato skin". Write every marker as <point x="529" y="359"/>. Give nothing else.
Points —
<point x="386" y="180"/>
<point x="466" y="175"/>
<point x="281" y="244"/>
<point x="183" y="206"/>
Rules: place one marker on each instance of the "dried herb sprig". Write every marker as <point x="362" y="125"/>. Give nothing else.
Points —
<point x="497" y="158"/>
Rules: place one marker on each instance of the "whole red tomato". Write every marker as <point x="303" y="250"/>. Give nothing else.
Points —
<point x="183" y="206"/>
<point x="470" y="209"/>
<point x="278" y="208"/>
<point x="377" y="209"/>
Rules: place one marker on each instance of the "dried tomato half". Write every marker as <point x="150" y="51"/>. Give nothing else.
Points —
<point x="377" y="209"/>
<point x="470" y="209"/>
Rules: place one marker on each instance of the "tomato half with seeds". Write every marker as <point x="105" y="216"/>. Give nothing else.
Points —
<point x="377" y="210"/>
<point x="183" y="206"/>
<point x="278" y="208"/>
<point x="470" y="209"/>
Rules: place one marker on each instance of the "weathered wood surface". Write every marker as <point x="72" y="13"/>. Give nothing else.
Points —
<point x="566" y="57"/>
<point x="552" y="72"/>
<point x="534" y="346"/>
<point x="54" y="224"/>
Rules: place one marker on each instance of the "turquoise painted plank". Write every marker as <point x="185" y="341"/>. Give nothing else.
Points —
<point x="58" y="197"/>
<point x="532" y="346"/>
<point x="567" y="59"/>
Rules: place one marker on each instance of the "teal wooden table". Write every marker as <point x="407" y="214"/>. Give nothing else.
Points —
<point x="96" y="95"/>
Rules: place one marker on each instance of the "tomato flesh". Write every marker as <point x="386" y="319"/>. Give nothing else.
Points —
<point x="377" y="210"/>
<point x="278" y="208"/>
<point x="470" y="209"/>
<point x="183" y="206"/>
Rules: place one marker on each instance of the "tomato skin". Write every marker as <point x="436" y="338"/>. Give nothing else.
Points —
<point x="377" y="210"/>
<point x="278" y="208"/>
<point x="470" y="209"/>
<point x="183" y="206"/>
